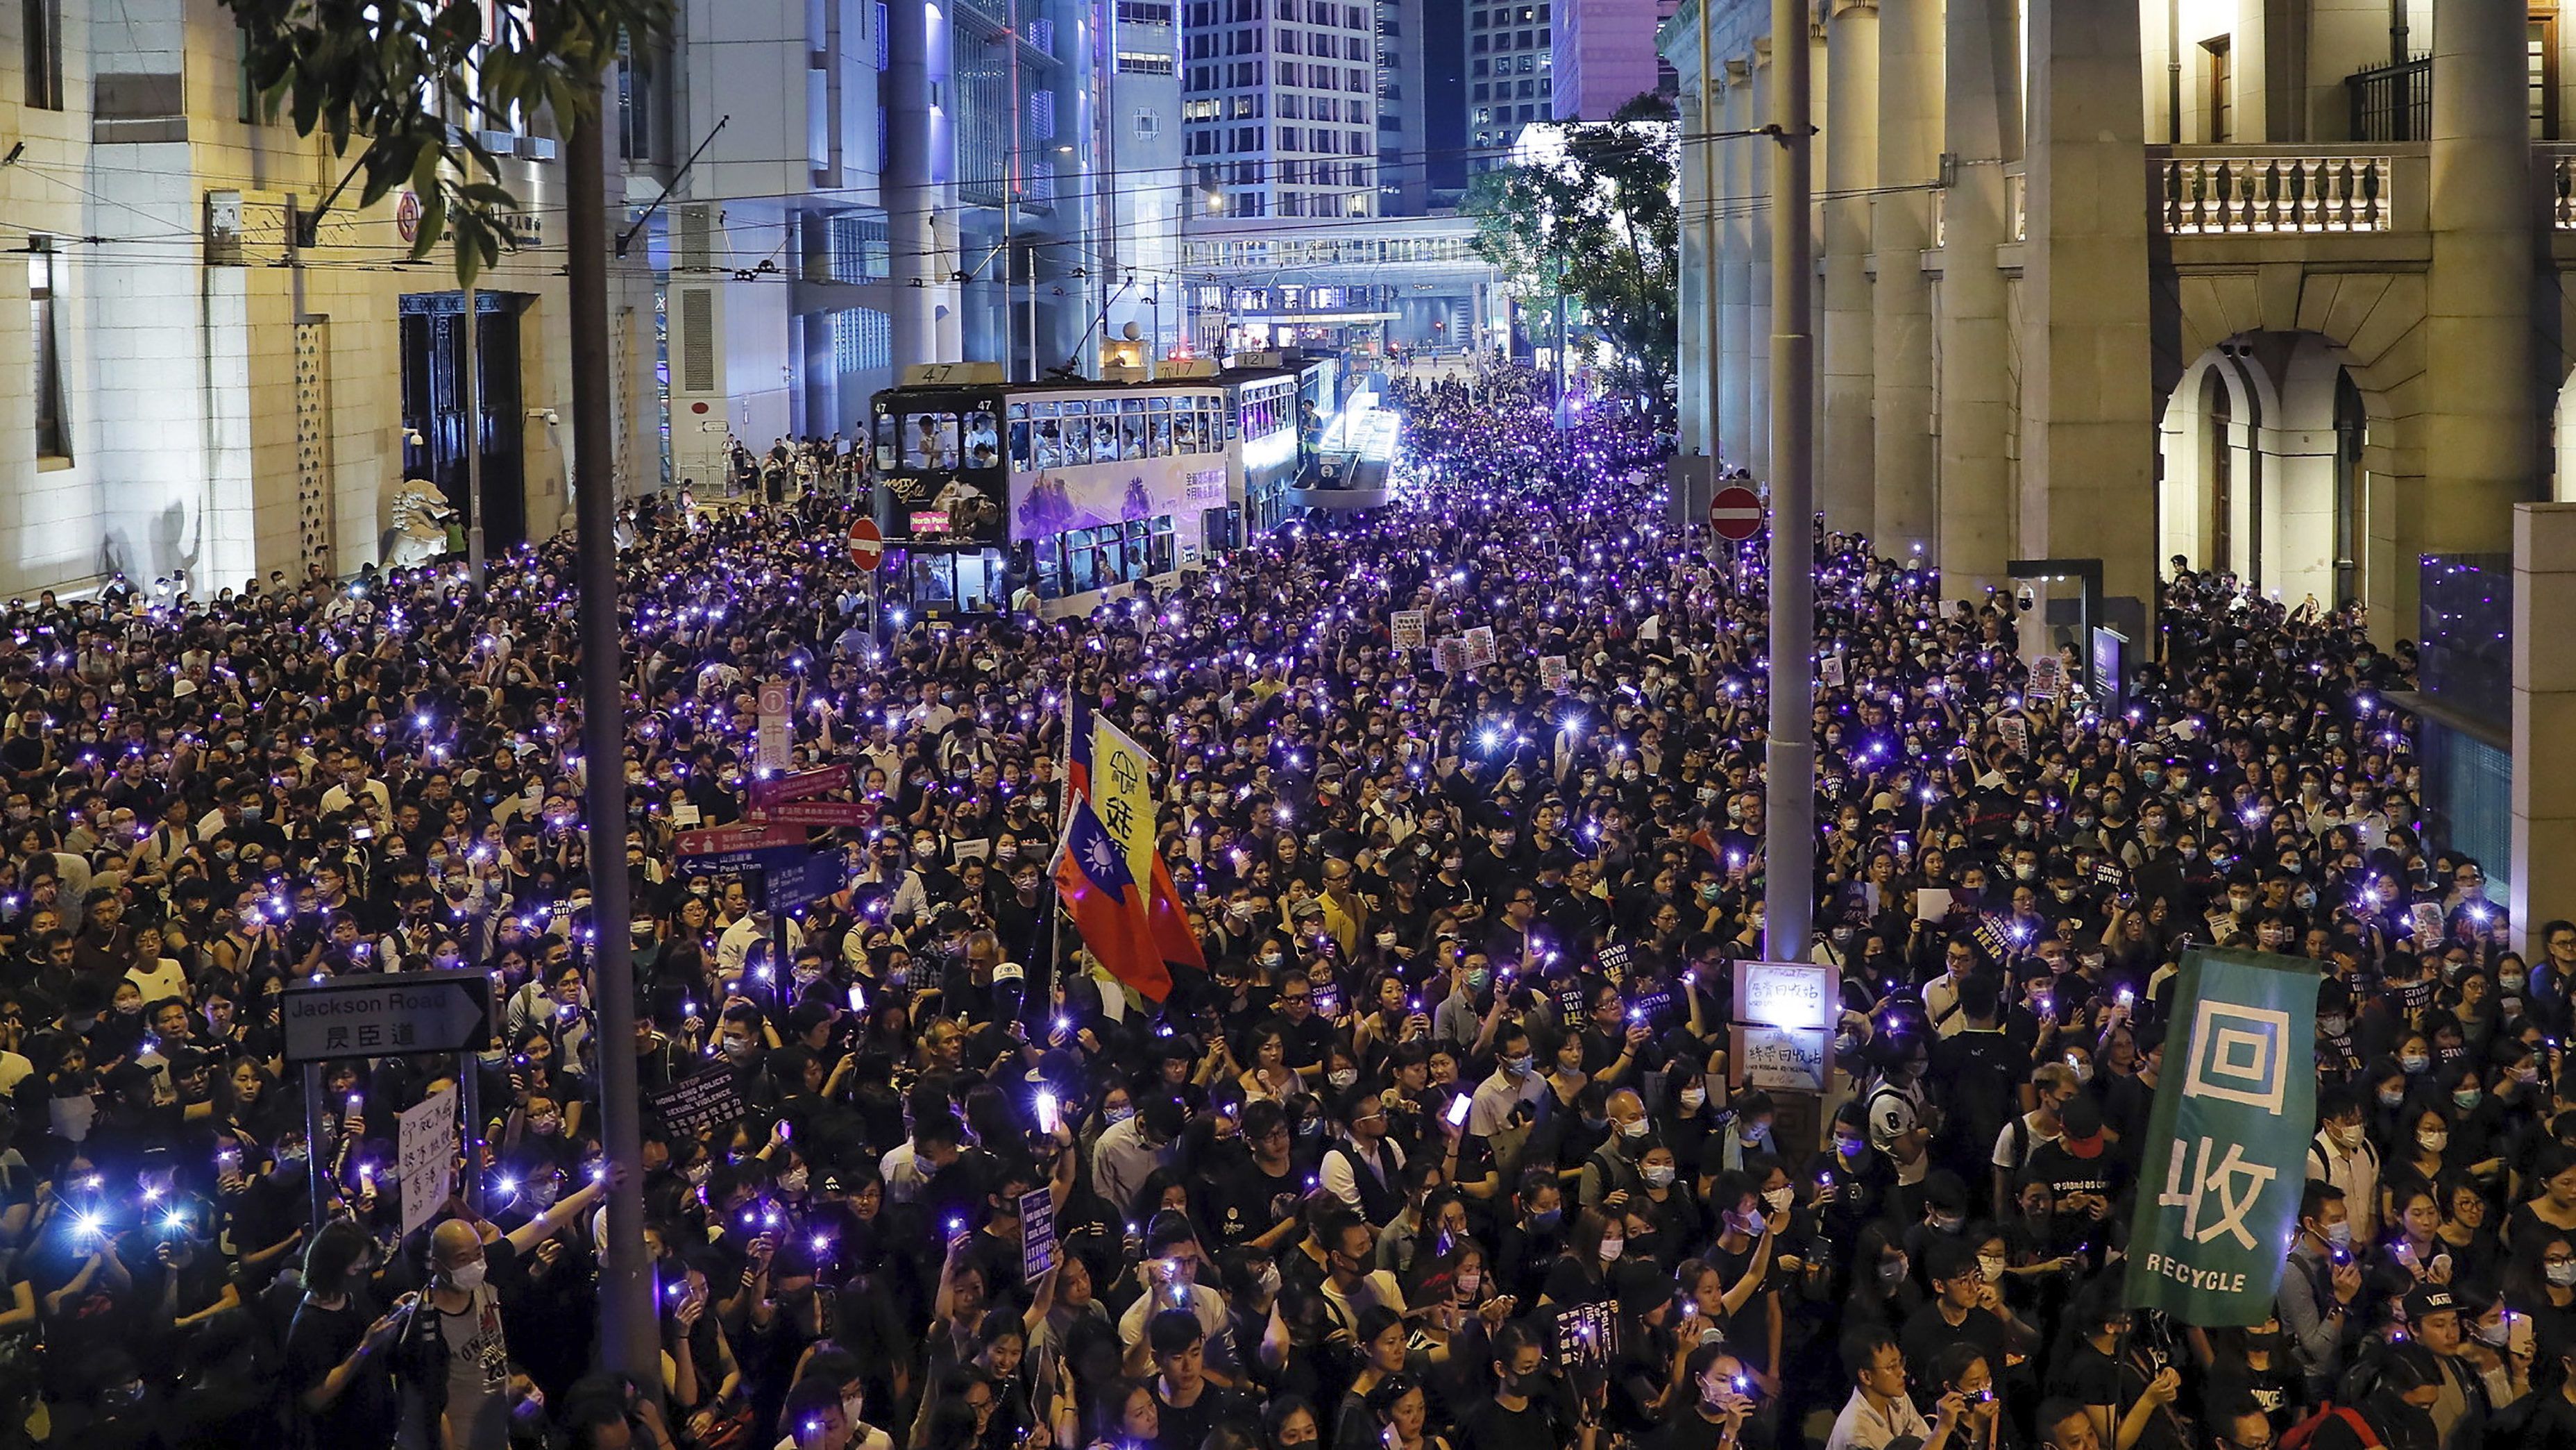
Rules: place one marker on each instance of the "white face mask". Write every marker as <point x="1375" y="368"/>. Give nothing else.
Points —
<point x="1992" y="1268"/>
<point x="850" y="1410"/>
<point x="1658" y="1175"/>
<point x="467" y="1278"/>
<point x="1612" y="1248"/>
<point x="1779" y="1199"/>
<point x="2435" y="1141"/>
<point x="1692" y="1098"/>
<point x="1342" y="1077"/>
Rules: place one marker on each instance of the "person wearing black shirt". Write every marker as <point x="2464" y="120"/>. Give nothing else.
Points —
<point x="1523" y="1414"/>
<point x="1187" y="1403"/>
<point x="1259" y="1199"/>
<point x="1954" y="1315"/>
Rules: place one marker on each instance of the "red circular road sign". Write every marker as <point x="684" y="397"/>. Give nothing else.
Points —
<point x="867" y="544"/>
<point x="407" y="216"/>
<point x="1735" y="513"/>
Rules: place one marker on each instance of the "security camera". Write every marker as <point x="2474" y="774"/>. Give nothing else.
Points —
<point x="547" y="414"/>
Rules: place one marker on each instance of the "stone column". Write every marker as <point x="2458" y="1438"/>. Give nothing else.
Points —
<point x="2088" y="405"/>
<point x="2482" y="439"/>
<point x="2542" y="874"/>
<point x="1845" y="447"/>
<point x="1695" y="366"/>
<point x="1909" y="159"/>
<point x="1735" y="274"/>
<point x="911" y="199"/>
<point x="1981" y="115"/>
<point x="1757" y="328"/>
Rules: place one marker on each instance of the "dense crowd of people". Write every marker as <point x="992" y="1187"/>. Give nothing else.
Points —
<point x="1442" y="1150"/>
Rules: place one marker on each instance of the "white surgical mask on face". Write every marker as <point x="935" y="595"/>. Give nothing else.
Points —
<point x="1612" y="1247"/>
<point x="1778" y="1199"/>
<point x="467" y="1278"/>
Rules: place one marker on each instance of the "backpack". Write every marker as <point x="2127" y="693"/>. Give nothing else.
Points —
<point x="2298" y="1436"/>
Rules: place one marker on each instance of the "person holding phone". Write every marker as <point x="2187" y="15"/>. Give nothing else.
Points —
<point x="2319" y="1288"/>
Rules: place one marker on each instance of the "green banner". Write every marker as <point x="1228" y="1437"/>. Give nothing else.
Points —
<point x="2225" y="1157"/>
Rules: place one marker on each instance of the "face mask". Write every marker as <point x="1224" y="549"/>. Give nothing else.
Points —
<point x="1635" y="1129"/>
<point x="544" y="1194"/>
<point x="1942" y="1223"/>
<point x="2345" y="1136"/>
<point x="1850" y="1147"/>
<point x="792" y="1181"/>
<point x="697" y="1173"/>
<point x="1992" y="1268"/>
<point x="2304" y="899"/>
<point x="2391" y="1097"/>
<point x="1778" y="1199"/>
<point x="2336" y="1025"/>
<point x="2339" y="1235"/>
<point x="1892" y="1271"/>
<point x="1612" y="1248"/>
<point x="850" y="1410"/>
<point x="545" y="1125"/>
<point x="1273" y="960"/>
<point x="1118" y="1114"/>
<point x="1546" y="1218"/>
<point x="1692" y="1098"/>
<point x="1518" y="1066"/>
<point x="290" y="1158"/>
<point x="737" y="1050"/>
<point x="2435" y="1141"/>
<point x="1468" y="1283"/>
<point x="2468" y="1097"/>
<point x="1479" y="979"/>
<point x="468" y="1278"/>
<point x="2513" y="981"/>
<point x="1659" y="1175"/>
<point x="2414" y="1062"/>
<point x="2562" y="1274"/>
<point x="1342" y="1077"/>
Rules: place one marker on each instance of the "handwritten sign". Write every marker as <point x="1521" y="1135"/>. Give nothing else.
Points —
<point x="425" y="1152"/>
<point x="1785" y="994"/>
<point x="1776" y="1059"/>
<point x="698" y="1102"/>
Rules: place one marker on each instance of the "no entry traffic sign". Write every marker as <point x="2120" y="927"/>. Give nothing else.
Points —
<point x="1735" y="513"/>
<point x="867" y="544"/>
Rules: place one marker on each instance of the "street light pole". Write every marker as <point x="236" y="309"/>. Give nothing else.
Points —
<point x="1789" y="763"/>
<point x="629" y="1338"/>
<point x="473" y="441"/>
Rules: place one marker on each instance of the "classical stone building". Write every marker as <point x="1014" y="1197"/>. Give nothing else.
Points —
<point x="2274" y="285"/>
<point x="192" y="381"/>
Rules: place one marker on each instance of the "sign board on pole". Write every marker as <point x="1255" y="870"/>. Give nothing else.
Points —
<point x="1409" y="628"/>
<point x="702" y="1100"/>
<point x="425" y="1149"/>
<point x="817" y="813"/>
<point x="376" y="1015"/>
<point x="867" y="544"/>
<point x="1735" y="513"/>
<point x="744" y="844"/>
<point x="794" y="883"/>
<point x="1785" y="1014"/>
<point x="804" y="785"/>
<point x="1037" y="1234"/>
<point x="774" y="737"/>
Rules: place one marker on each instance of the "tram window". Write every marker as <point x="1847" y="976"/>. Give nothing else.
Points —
<point x="933" y="578"/>
<point x="982" y="440"/>
<point x="1104" y="438"/>
<point x="885" y="445"/>
<point x="930" y="440"/>
<point x="1050" y="445"/>
<point x="1185" y="433"/>
<point x="1131" y="429"/>
<point x="1020" y="444"/>
<point x="1162" y="435"/>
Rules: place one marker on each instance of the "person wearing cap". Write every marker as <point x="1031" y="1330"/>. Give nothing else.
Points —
<point x="2087" y="1182"/>
<point x="2463" y="1404"/>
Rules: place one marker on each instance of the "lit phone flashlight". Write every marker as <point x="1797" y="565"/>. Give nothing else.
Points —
<point x="1457" y="1113"/>
<point x="1046" y="1110"/>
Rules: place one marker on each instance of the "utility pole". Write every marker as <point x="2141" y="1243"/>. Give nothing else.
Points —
<point x="628" y="1335"/>
<point x="1789" y="761"/>
<point x="474" y="441"/>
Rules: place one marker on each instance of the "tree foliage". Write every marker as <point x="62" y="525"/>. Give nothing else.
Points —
<point x="1602" y="223"/>
<point x="412" y="84"/>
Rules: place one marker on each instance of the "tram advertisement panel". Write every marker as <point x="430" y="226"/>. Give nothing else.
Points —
<point x="1053" y="500"/>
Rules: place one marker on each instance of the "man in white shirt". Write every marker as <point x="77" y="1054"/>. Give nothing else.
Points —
<point x="1514" y="1081"/>
<point x="734" y="947"/>
<point x="1878" y="1411"/>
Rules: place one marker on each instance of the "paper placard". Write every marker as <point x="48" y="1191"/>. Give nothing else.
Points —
<point x="698" y="1102"/>
<point x="1409" y="628"/>
<point x="1830" y="670"/>
<point x="1480" y="646"/>
<point x="425" y="1155"/>
<point x="1450" y="656"/>
<point x="2047" y="678"/>
<point x="1552" y="674"/>
<point x="1037" y="1234"/>
<point x="1782" y="1059"/>
<point x="1785" y="994"/>
<point x="1931" y="903"/>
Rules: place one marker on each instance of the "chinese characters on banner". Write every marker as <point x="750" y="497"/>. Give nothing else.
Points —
<point x="425" y="1148"/>
<point x="2227" y="1140"/>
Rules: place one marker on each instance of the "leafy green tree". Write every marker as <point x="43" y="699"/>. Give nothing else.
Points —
<point x="1601" y="223"/>
<point x="412" y="84"/>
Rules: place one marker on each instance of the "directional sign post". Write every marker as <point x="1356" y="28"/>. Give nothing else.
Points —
<point x="379" y="1014"/>
<point x="1735" y="513"/>
<point x="721" y="848"/>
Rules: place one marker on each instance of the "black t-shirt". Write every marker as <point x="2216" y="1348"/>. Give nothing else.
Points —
<point x="1491" y="1427"/>
<point x="1187" y="1428"/>
<point x="1689" y="1430"/>
<point x="2065" y="1173"/>
<point x="1244" y="1202"/>
<point x="316" y="1341"/>
<point x="1927" y="1334"/>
